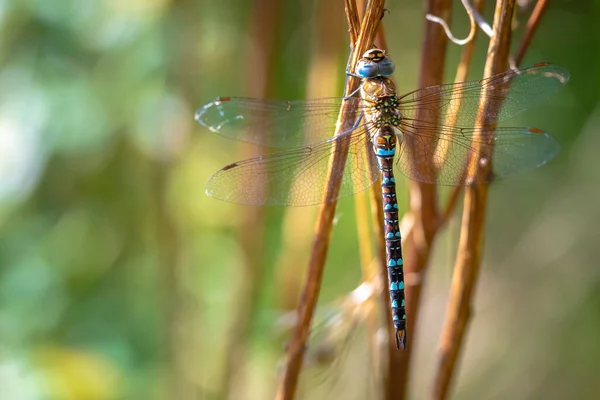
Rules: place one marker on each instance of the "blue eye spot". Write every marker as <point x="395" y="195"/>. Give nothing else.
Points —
<point x="367" y="70"/>
<point x="386" y="68"/>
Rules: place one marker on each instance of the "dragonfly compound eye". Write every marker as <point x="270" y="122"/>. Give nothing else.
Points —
<point x="366" y="69"/>
<point x="386" y="67"/>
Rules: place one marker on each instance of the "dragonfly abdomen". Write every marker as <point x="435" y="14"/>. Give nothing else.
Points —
<point x="384" y="146"/>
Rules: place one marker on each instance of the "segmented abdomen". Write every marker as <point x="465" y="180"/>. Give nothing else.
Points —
<point x="384" y="145"/>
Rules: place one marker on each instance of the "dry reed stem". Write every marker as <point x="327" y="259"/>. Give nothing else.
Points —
<point x="378" y="228"/>
<point x="353" y="14"/>
<point x="320" y="246"/>
<point x="392" y="390"/>
<point x="532" y="25"/>
<point x="423" y="197"/>
<point x="298" y="226"/>
<point x="368" y="270"/>
<point x="462" y="73"/>
<point x="369" y="274"/>
<point x="472" y="231"/>
<point x="365" y="249"/>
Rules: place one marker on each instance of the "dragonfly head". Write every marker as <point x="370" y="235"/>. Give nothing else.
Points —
<point x="374" y="63"/>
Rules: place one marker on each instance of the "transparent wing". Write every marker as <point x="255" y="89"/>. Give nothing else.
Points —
<point x="297" y="177"/>
<point x="507" y="94"/>
<point x="274" y="123"/>
<point x="513" y="150"/>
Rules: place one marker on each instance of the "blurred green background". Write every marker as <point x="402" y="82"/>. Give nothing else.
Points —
<point x="120" y="279"/>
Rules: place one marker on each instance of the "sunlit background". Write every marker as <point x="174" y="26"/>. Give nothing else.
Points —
<point x="120" y="279"/>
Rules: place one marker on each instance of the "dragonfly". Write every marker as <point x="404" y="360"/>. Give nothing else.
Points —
<point x="430" y="135"/>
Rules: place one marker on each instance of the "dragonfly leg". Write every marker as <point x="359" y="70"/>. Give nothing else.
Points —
<point x="358" y="121"/>
<point x="347" y="72"/>
<point x="351" y="94"/>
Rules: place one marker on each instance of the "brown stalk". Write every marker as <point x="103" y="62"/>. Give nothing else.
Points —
<point x="353" y="13"/>
<point x="423" y="206"/>
<point x="391" y="389"/>
<point x="395" y="358"/>
<point x="308" y="300"/>
<point x="462" y="73"/>
<point x="369" y="274"/>
<point x="367" y="259"/>
<point x="471" y="241"/>
<point x="463" y="70"/>
<point x="298" y="224"/>
<point x="532" y="25"/>
<point x="264" y="24"/>
<point x="365" y="249"/>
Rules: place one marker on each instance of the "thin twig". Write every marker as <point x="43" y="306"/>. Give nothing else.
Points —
<point x="448" y="31"/>
<point x="475" y="18"/>
<point x="368" y="261"/>
<point x="471" y="241"/>
<point x="320" y="246"/>
<point x="532" y="25"/>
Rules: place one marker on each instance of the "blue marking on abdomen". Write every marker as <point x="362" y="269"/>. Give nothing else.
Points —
<point x="393" y="263"/>
<point x="385" y="153"/>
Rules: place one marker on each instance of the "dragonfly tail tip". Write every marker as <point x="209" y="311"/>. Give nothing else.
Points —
<point x="401" y="339"/>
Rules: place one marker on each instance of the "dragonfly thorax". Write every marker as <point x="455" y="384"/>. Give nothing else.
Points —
<point x="382" y="114"/>
<point x="376" y="88"/>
